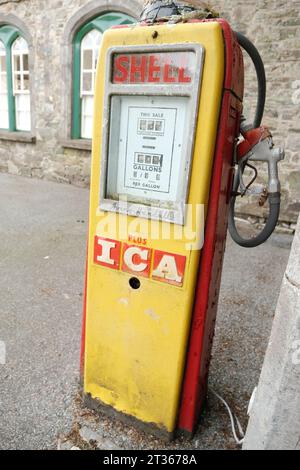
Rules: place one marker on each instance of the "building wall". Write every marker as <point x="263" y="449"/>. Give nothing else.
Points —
<point x="48" y="26"/>
<point x="274" y="27"/>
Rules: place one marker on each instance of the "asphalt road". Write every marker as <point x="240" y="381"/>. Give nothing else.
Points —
<point x="42" y="250"/>
<point x="42" y="255"/>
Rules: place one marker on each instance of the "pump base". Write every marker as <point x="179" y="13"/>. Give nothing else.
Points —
<point x="109" y="411"/>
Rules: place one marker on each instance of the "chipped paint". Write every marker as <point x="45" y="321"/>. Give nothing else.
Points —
<point x="152" y="314"/>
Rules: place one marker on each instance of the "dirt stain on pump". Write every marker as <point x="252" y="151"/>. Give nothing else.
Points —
<point x="152" y="314"/>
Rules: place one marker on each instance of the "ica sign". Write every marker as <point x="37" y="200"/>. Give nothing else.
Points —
<point x="141" y="261"/>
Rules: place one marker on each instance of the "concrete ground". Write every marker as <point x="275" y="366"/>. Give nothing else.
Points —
<point x="42" y="255"/>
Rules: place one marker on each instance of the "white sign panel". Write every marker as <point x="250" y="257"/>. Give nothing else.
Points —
<point x="151" y="163"/>
<point x="149" y="117"/>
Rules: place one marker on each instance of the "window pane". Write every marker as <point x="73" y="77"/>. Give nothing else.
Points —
<point x="87" y="127"/>
<point x="26" y="82"/>
<point x="91" y="39"/>
<point x="95" y="37"/>
<point x="22" y="102"/>
<point x="87" y="59"/>
<point x="3" y="111"/>
<point x="17" y="63"/>
<point x="87" y="108"/>
<point x="25" y="63"/>
<point x="87" y="82"/>
<point x="2" y="63"/>
<point x="23" y="121"/>
<point x="3" y="102"/>
<point x="3" y="82"/>
<point x="96" y="58"/>
<point x="3" y="76"/>
<point x="20" y="45"/>
<point x="87" y="42"/>
<point x="17" y="82"/>
<point x="23" y="112"/>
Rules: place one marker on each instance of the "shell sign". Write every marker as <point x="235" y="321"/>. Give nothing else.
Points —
<point x="140" y="261"/>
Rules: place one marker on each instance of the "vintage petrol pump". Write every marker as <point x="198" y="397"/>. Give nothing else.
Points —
<point x="168" y="116"/>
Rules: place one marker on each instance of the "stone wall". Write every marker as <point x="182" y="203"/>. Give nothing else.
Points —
<point x="273" y="25"/>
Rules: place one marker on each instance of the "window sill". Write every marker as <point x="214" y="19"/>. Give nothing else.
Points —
<point x="16" y="136"/>
<point x="78" y="144"/>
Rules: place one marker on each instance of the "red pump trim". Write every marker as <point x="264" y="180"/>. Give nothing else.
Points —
<point x="194" y="388"/>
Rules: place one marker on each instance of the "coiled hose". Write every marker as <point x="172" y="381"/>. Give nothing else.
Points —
<point x="274" y="198"/>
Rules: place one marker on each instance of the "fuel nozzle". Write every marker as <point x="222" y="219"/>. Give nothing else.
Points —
<point x="257" y="146"/>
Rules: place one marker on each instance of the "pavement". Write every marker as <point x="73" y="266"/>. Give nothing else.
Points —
<point x="43" y="228"/>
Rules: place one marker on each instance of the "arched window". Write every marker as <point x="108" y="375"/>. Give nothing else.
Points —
<point x="14" y="81"/>
<point x="86" y="46"/>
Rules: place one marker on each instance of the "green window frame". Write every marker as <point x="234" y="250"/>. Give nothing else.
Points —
<point x="100" y="23"/>
<point x="8" y="35"/>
